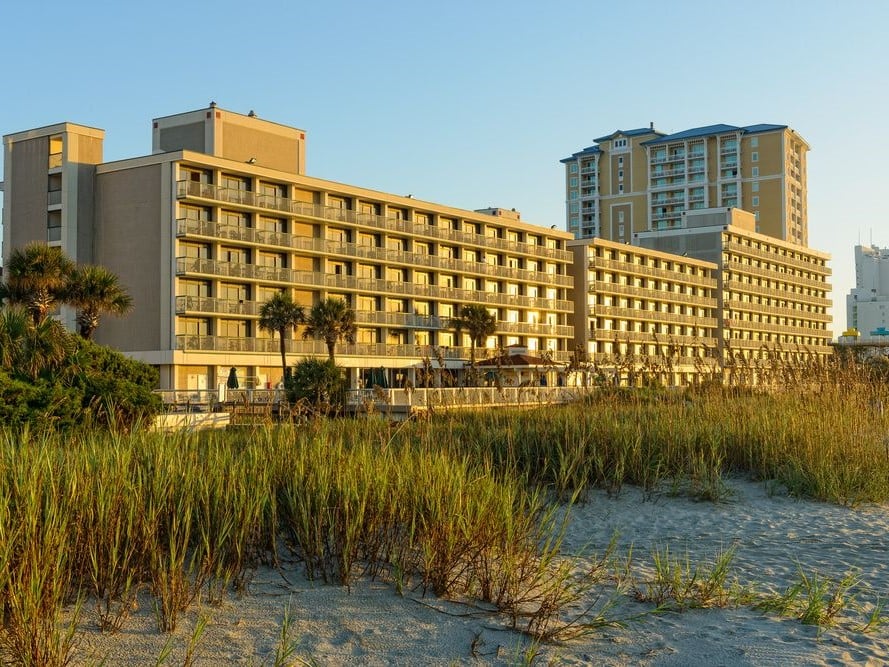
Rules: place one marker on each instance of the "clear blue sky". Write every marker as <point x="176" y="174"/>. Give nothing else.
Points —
<point x="473" y="103"/>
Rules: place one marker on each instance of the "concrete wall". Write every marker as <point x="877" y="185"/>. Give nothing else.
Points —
<point x="25" y="198"/>
<point x="128" y="241"/>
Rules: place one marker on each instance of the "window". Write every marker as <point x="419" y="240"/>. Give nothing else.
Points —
<point x="620" y="174"/>
<point x="234" y="292"/>
<point x="620" y="216"/>
<point x="620" y="188"/>
<point x="756" y="201"/>
<point x="754" y="156"/>
<point x="572" y="168"/>
<point x="234" y="219"/>
<point x="754" y="142"/>
<point x="619" y="144"/>
<point x="754" y="172"/>
<point x="194" y="288"/>
<point x="620" y="161"/>
<point x="194" y="250"/>
<point x="572" y="194"/>
<point x="194" y="326"/>
<point x="754" y="186"/>
<point x="277" y="225"/>
<point x="572" y="182"/>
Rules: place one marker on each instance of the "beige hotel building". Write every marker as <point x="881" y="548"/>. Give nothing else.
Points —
<point x="221" y="216"/>
<point x="642" y="180"/>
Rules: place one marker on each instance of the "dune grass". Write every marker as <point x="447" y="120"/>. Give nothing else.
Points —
<point x="460" y="506"/>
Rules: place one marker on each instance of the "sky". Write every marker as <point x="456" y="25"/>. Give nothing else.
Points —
<point x="473" y="103"/>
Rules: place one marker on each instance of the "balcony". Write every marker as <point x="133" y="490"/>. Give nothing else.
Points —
<point x="639" y="314"/>
<point x="272" y="346"/>
<point x="660" y="296"/>
<point x="318" y="279"/>
<point x="192" y="189"/>
<point x="350" y="251"/>
<point x="203" y="304"/>
<point x="640" y="269"/>
<point x="778" y="259"/>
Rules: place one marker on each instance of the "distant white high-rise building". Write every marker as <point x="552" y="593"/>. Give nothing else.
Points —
<point x="867" y="305"/>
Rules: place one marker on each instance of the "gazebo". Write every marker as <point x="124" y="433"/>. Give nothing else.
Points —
<point x="516" y="367"/>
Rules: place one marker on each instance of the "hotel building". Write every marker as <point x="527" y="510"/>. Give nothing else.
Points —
<point x="772" y="296"/>
<point x="641" y="180"/>
<point x="644" y="314"/>
<point x="222" y="215"/>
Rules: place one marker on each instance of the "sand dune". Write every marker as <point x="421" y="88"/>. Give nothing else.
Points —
<point x="774" y="536"/>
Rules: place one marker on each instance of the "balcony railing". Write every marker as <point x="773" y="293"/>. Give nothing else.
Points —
<point x="654" y="316"/>
<point x="601" y="286"/>
<point x="203" y="304"/>
<point x="352" y="251"/>
<point x="208" y="267"/>
<point x="305" y="209"/>
<point x="778" y="259"/>
<point x="272" y="346"/>
<point x="637" y="269"/>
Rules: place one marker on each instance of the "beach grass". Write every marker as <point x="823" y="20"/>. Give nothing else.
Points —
<point x="464" y="505"/>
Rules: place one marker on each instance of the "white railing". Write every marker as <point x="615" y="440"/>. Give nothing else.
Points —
<point x="462" y="397"/>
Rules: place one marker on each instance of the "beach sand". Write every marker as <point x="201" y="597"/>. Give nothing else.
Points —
<point x="370" y="624"/>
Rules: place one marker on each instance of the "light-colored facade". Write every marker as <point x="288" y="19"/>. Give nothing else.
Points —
<point x="644" y="315"/>
<point x="221" y="216"/>
<point x="867" y="304"/>
<point x="643" y="180"/>
<point x="772" y="296"/>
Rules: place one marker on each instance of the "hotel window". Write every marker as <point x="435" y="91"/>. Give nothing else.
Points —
<point x="234" y="292"/>
<point x="572" y="194"/>
<point x="421" y="218"/>
<point x="194" y="175"/>
<point x="194" y="250"/>
<point x="231" y="182"/>
<point x="620" y="188"/>
<point x="446" y="280"/>
<point x="574" y="207"/>
<point x="397" y="214"/>
<point x="368" y="208"/>
<point x="754" y="142"/>
<point x="366" y="304"/>
<point x="572" y="167"/>
<point x="396" y="306"/>
<point x="395" y="275"/>
<point x="754" y="156"/>
<point x="195" y="213"/>
<point x="234" y="219"/>
<point x="277" y="225"/>
<point x="620" y="174"/>
<point x="421" y="248"/>
<point x="754" y="172"/>
<point x="273" y="190"/>
<point x="232" y="328"/>
<point x="756" y="201"/>
<point x="572" y="182"/>
<point x="754" y="187"/>
<point x="422" y="308"/>
<point x="396" y="244"/>
<point x="369" y="240"/>
<point x="194" y="326"/>
<point x="275" y="260"/>
<point x="470" y="284"/>
<point x="422" y="277"/>
<point x="446" y="309"/>
<point x="338" y="202"/>
<point x="335" y="234"/>
<point x="194" y="288"/>
<point x="368" y="271"/>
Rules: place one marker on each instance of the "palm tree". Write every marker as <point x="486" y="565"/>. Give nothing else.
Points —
<point x="331" y="320"/>
<point x="277" y="315"/>
<point x="478" y="323"/>
<point x="36" y="277"/>
<point x="27" y="349"/>
<point x="95" y="290"/>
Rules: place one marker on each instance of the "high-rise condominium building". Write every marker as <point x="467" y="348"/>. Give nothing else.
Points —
<point x="641" y="180"/>
<point x="867" y="304"/>
<point x="221" y="216"/>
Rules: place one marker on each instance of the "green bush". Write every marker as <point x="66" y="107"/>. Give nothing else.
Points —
<point x="320" y="383"/>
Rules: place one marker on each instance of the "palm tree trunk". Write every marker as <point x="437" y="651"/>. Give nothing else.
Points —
<point x="281" y="333"/>
<point x="331" y="344"/>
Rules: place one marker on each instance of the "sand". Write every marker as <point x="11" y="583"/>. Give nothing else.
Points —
<point x="371" y="624"/>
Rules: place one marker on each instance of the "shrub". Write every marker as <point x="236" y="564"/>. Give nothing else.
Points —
<point x="321" y="383"/>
